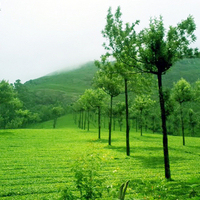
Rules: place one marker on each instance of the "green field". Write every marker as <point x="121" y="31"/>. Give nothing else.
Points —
<point x="38" y="163"/>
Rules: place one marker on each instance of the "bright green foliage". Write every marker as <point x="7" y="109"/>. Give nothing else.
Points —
<point x="23" y="94"/>
<point x="160" y="49"/>
<point x="154" y="50"/>
<point x="192" y="121"/>
<point x="56" y="112"/>
<point x="182" y="91"/>
<point x="111" y="82"/>
<point x="93" y="98"/>
<point x="107" y="79"/>
<point x="142" y="103"/>
<point x="119" y="113"/>
<point x="120" y="39"/>
<point x="197" y="91"/>
<point x="88" y="182"/>
<point x="6" y="92"/>
<point x="9" y="105"/>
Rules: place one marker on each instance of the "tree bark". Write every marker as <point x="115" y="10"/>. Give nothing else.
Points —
<point x="127" y="119"/>
<point x="99" y="121"/>
<point x="79" y="122"/>
<point x="110" y="122"/>
<point x="141" y="122"/>
<point x="164" y="129"/>
<point x="114" y="123"/>
<point x="54" y="122"/>
<point x="82" y="119"/>
<point x="88" y="120"/>
<point x="153" y="124"/>
<point x="85" y="120"/>
<point x="136" y="124"/>
<point x="182" y="124"/>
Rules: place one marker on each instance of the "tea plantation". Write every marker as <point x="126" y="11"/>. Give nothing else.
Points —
<point x="57" y="163"/>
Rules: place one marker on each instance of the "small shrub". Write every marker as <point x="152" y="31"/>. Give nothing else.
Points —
<point x="88" y="182"/>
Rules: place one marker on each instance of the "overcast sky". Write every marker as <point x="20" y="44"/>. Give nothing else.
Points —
<point x="38" y="37"/>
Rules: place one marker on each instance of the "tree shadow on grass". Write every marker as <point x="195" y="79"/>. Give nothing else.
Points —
<point x="194" y="147"/>
<point x="116" y="148"/>
<point x="6" y="133"/>
<point x="104" y="141"/>
<point x="149" y="160"/>
<point x="134" y="149"/>
<point x="163" y="189"/>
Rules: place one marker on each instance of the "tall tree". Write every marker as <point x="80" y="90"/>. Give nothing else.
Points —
<point x="98" y="100"/>
<point x="6" y="92"/>
<point x="142" y="103"/>
<point x="182" y="93"/>
<point x="155" y="49"/>
<point x="56" y="112"/>
<point x="23" y="94"/>
<point x="192" y="121"/>
<point x="110" y="82"/>
<point x="159" y="50"/>
<point x="119" y="37"/>
<point x="116" y="46"/>
<point x="85" y="103"/>
<point x="9" y="107"/>
<point x="94" y="99"/>
<point x="119" y="113"/>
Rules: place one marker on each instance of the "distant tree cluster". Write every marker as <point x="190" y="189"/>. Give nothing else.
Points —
<point x="19" y="107"/>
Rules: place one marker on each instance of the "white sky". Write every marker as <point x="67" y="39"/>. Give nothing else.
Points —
<point x="38" y="37"/>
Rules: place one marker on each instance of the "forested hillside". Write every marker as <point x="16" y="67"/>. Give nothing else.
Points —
<point x="73" y="83"/>
<point x="189" y="69"/>
<point x="70" y="84"/>
<point x="63" y="85"/>
<point x="64" y="88"/>
<point x="50" y="96"/>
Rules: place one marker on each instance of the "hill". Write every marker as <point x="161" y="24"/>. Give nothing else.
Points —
<point x="68" y="85"/>
<point x="189" y="69"/>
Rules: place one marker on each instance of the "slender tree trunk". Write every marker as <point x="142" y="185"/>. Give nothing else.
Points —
<point x="54" y="122"/>
<point x="164" y="129"/>
<point x="75" y="117"/>
<point x="182" y="124"/>
<point x="99" y="121"/>
<point x="121" y="123"/>
<point x="85" y="120"/>
<point x="136" y="124"/>
<point x="141" y="122"/>
<point x="79" y="122"/>
<point x="153" y="124"/>
<point x="193" y="126"/>
<point x="88" y="120"/>
<point x="82" y="119"/>
<point x="114" y="123"/>
<point x="127" y="119"/>
<point x="110" y="122"/>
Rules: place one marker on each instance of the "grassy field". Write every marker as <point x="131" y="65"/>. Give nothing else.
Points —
<point x="38" y="163"/>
